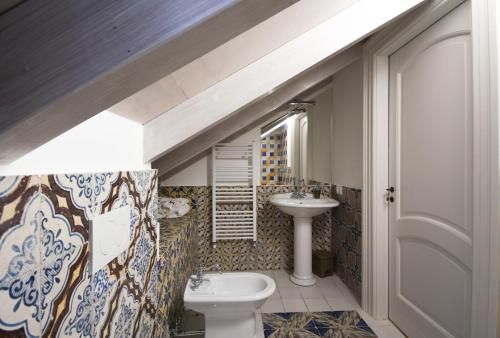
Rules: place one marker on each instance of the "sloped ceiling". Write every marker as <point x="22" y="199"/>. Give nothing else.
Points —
<point x="227" y="59"/>
<point x="65" y="61"/>
<point x="6" y="5"/>
<point x="259" y="79"/>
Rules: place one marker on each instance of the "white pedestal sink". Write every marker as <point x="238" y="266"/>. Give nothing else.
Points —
<point x="302" y="210"/>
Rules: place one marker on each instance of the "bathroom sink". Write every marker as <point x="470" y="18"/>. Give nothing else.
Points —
<point x="303" y="207"/>
<point x="302" y="210"/>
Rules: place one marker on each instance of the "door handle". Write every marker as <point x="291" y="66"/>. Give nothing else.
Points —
<point x="390" y="199"/>
<point x="391" y="189"/>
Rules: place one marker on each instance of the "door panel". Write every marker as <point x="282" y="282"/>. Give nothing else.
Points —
<point x="430" y="221"/>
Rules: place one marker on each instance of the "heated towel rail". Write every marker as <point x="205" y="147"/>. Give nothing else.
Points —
<point x="234" y="203"/>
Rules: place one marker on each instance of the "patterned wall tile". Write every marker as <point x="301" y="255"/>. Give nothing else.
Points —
<point x="22" y="314"/>
<point x="124" y="318"/>
<point x="346" y="238"/>
<point x="44" y="229"/>
<point x="274" y="247"/>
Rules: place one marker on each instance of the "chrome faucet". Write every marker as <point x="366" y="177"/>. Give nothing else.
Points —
<point x="297" y="193"/>
<point x="197" y="279"/>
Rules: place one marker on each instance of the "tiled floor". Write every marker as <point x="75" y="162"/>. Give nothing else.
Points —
<point x="316" y="324"/>
<point x="329" y="294"/>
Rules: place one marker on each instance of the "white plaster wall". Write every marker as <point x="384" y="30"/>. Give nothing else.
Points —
<point x="105" y="142"/>
<point x="347" y="126"/>
<point x="497" y="5"/>
<point x="199" y="173"/>
<point x="196" y="174"/>
<point x="319" y="123"/>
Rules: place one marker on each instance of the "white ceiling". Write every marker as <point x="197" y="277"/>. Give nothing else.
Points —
<point x="227" y="59"/>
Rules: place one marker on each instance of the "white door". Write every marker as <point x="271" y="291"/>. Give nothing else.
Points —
<point x="430" y="227"/>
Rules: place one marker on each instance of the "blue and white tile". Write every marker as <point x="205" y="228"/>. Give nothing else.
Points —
<point x="141" y="260"/>
<point x="153" y="287"/>
<point x="61" y="247"/>
<point x="146" y="325"/>
<point x="8" y="184"/>
<point x="125" y="198"/>
<point x="89" y="305"/>
<point x="142" y="181"/>
<point x="123" y="321"/>
<point x="88" y="191"/>
<point x="20" y="294"/>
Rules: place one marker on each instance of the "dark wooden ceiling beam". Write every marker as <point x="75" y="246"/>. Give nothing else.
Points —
<point x="64" y="61"/>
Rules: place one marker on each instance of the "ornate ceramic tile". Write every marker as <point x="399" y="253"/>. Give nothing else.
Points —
<point x="141" y="260"/>
<point x="61" y="248"/>
<point x="146" y="325"/>
<point x="89" y="306"/>
<point x="20" y="227"/>
<point x="88" y="191"/>
<point x="143" y="183"/>
<point x="346" y="238"/>
<point x="125" y="316"/>
<point x="44" y="228"/>
<point x="316" y="324"/>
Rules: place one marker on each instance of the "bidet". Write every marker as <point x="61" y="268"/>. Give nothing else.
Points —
<point x="229" y="301"/>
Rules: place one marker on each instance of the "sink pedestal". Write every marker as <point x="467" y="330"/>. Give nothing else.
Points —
<point x="302" y="253"/>
<point x="302" y="210"/>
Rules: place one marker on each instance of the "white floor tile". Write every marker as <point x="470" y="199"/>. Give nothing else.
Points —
<point x="387" y="332"/>
<point x="289" y="293"/>
<point x="282" y="274"/>
<point x="325" y="282"/>
<point x="311" y="292"/>
<point x="294" y="305"/>
<point x="331" y="291"/>
<point x="272" y="305"/>
<point x="317" y="305"/>
<point x="341" y="304"/>
<point x="260" y="326"/>
<point x="284" y="282"/>
<point x="276" y="294"/>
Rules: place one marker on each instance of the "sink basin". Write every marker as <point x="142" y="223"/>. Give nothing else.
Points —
<point x="304" y="207"/>
<point x="302" y="210"/>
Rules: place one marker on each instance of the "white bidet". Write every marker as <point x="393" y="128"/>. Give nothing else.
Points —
<point x="229" y="301"/>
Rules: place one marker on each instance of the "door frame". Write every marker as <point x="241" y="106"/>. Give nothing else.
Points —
<point x="375" y="220"/>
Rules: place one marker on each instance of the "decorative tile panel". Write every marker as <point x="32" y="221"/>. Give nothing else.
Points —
<point x="21" y="314"/>
<point x="346" y="238"/>
<point x="45" y="287"/>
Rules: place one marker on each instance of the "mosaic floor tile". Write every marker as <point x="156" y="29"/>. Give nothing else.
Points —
<point x="346" y="324"/>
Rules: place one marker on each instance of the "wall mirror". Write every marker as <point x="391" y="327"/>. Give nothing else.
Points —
<point x="284" y="147"/>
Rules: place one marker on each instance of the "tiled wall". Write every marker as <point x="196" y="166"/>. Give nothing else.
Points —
<point x="45" y="287"/>
<point x="274" y="247"/>
<point x="273" y="157"/>
<point x="178" y="258"/>
<point x="346" y="238"/>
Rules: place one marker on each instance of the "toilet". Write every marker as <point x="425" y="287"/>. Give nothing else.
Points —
<point x="229" y="302"/>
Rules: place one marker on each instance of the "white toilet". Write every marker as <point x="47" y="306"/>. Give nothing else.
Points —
<point x="229" y="302"/>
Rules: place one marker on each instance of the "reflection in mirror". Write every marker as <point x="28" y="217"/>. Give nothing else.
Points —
<point x="283" y="152"/>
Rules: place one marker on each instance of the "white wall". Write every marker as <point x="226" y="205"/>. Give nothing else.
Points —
<point x="196" y="174"/>
<point x="199" y="173"/>
<point x="347" y="126"/>
<point x="105" y="142"/>
<point x="319" y="117"/>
